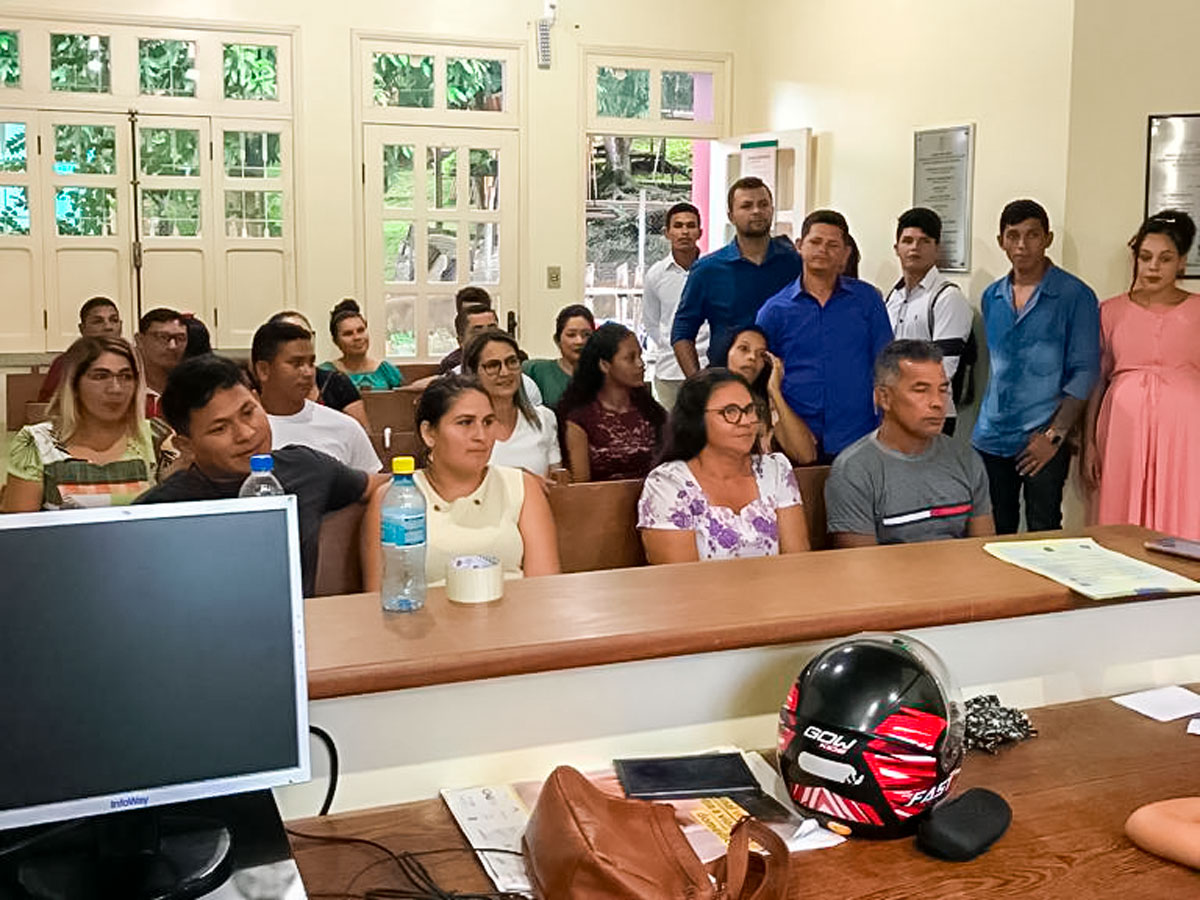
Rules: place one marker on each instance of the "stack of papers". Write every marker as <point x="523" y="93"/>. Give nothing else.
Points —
<point x="1094" y="571"/>
<point x="1164" y="704"/>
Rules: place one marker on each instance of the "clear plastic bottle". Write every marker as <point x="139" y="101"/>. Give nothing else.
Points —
<point x="402" y="530"/>
<point x="261" y="482"/>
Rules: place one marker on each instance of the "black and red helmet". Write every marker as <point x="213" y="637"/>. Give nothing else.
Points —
<point x="871" y="735"/>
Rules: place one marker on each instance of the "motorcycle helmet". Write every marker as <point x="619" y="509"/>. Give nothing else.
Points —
<point x="871" y="735"/>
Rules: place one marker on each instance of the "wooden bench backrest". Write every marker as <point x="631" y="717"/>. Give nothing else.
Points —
<point x="392" y="409"/>
<point x="20" y="388"/>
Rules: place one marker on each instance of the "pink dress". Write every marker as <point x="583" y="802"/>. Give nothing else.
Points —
<point x="1148" y="432"/>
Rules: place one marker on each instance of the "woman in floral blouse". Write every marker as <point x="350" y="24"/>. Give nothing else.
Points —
<point x="713" y="497"/>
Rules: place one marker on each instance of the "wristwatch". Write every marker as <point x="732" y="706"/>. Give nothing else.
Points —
<point x="1055" y="436"/>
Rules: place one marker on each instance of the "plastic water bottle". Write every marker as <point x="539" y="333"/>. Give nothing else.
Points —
<point x="403" y="537"/>
<point x="261" y="482"/>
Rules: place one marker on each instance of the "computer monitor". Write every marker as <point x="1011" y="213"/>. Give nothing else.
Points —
<point x="149" y="655"/>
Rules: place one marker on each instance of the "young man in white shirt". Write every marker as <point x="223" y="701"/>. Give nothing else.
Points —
<point x="285" y="365"/>
<point x="924" y="305"/>
<point x="662" y="288"/>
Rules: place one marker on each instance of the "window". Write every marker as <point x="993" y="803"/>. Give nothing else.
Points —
<point x="684" y="97"/>
<point x="252" y="154"/>
<point x="622" y="93"/>
<point x="12" y="146"/>
<point x="85" y="149"/>
<point x="170" y="151"/>
<point x="250" y="72"/>
<point x="403" y="80"/>
<point x="14" y="209"/>
<point x="474" y="83"/>
<point x="10" y="59"/>
<point x="79" y="63"/>
<point x="167" y="68"/>
<point x="86" y="211"/>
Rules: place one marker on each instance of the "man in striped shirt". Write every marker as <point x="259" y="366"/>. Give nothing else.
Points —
<point x="906" y="481"/>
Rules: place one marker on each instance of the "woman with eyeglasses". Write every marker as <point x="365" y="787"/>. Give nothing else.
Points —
<point x="749" y="357"/>
<point x="526" y="435"/>
<point x="96" y="449"/>
<point x="330" y="388"/>
<point x="1141" y="451"/>
<point x="610" y="424"/>
<point x="348" y="328"/>
<point x="713" y="496"/>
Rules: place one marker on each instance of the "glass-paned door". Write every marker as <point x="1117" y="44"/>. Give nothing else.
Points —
<point x="83" y="216"/>
<point x="440" y="214"/>
<point x="20" y="249"/>
<point x="176" y="215"/>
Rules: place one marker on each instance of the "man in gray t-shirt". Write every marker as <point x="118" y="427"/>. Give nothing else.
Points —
<point x="906" y="481"/>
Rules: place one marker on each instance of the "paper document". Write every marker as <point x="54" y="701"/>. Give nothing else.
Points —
<point x="1162" y="704"/>
<point x="494" y="817"/>
<point x="1086" y="567"/>
<point x="1194" y="726"/>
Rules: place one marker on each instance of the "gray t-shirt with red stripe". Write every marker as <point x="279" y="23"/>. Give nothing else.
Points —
<point x="903" y="499"/>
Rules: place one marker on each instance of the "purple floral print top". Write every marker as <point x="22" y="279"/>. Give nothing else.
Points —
<point x="673" y="500"/>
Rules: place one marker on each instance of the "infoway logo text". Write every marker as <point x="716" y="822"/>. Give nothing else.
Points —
<point x="126" y="802"/>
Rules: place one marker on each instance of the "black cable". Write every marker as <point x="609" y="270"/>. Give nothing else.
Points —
<point x="327" y="739"/>
<point x="424" y="887"/>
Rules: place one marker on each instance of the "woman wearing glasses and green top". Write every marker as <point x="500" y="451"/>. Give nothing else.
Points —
<point x="96" y="449"/>
<point x="526" y="435"/>
<point x="713" y="497"/>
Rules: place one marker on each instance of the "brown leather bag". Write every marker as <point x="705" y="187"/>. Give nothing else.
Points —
<point x="583" y="844"/>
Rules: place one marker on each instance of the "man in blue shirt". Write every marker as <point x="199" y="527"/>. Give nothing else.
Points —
<point x="727" y="288"/>
<point x="827" y="329"/>
<point x="1043" y="337"/>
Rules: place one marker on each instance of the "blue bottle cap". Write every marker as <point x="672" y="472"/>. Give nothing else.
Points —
<point x="262" y="462"/>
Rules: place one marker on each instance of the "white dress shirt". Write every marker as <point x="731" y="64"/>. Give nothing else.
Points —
<point x="952" y="316"/>
<point x="662" y="287"/>
<point x="332" y="432"/>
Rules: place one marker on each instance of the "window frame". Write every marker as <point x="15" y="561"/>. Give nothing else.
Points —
<point x="657" y="62"/>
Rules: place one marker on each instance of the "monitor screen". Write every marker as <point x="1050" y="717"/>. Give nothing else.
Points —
<point x="148" y="655"/>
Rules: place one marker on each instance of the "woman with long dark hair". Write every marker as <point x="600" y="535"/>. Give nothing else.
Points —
<point x="1142" y="431"/>
<point x="749" y="357"/>
<point x="572" y="328"/>
<point x="610" y="423"/>
<point x="713" y="496"/>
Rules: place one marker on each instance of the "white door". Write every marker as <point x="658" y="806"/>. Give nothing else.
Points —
<point x="177" y="214"/>
<point x="441" y="213"/>
<point x="84" y="169"/>
<point x="786" y="154"/>
<point x="21" y="304"/>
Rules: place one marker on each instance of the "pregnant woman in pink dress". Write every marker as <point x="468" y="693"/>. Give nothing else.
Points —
<point x="1143" y="448"/>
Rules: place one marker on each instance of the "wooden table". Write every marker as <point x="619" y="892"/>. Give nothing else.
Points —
<point x="1070" y="789"/>
<point x="596" y="618"/>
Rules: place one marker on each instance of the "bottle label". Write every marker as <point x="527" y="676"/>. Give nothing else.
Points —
<point x="403" y="529"/>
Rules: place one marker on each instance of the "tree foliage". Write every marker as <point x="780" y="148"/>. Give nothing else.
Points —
<point x="167" y="68"/>
<point x="403" y="80"/>
<point x="250" y="72"/>
<point x="10" y="59"/>
<point x="80" y="63"/>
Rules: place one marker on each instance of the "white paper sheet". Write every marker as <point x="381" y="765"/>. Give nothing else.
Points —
<point x="1094" y="571"/>
<point x="494" y="817"/>
<point x="1162" y="704"/>
<point x="1194" y="726"/>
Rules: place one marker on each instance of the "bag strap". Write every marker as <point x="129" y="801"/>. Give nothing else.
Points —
<point x="933" y="302"/>
<point x="733" y="870"/>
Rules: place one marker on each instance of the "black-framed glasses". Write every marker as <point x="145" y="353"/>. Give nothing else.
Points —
<point x="733" y="414"/>
<point x="492" y="366"/>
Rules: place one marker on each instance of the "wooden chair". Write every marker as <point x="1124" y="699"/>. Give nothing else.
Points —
<point x="395" y="443"/>
<point x="597" y="525"/>
<point x="416" y="371"/>
<point x="20" y="388"/>
<point x="811" y="480"/>
<point x="392" y="409"/>
<point x="339" y="563"/>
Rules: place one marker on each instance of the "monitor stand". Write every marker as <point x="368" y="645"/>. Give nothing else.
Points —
<point x="142" y="855"/>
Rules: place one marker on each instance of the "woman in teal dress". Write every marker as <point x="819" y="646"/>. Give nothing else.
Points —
<point x="572" y="329"/>
<point x="348" y="328"/>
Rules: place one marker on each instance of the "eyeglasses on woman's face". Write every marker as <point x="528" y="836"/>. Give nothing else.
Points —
<point x="493" y="366"/>
<point x="734" y="414"/>
<point x="124" y="378"/>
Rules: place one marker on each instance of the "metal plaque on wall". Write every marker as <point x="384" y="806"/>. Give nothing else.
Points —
<point x="943" y="175"/>
<point x="1173" y="171"/>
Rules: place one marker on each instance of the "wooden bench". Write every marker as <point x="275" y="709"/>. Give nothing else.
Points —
<point x="392" y="409"/>
<point x="597" y="529"/>
<point x="21" y="389"/>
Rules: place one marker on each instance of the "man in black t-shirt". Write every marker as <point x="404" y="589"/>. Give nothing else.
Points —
<point x="221" y="423"/>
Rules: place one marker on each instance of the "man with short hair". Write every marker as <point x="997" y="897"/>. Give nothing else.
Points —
<point x="663" y="287"/>
<point x="161" y="339"/>
<point x="907" y="481"/>
<point x="827" y="328"/>
<point x="924" y="304"/>
<point x="471" y="295"/>
<point x="727" y="288"/>
<point x="220" y="423"/>
<point x="285" y="365"/>
<point x="98" y="317"/>
<point x="1043" y="337"/>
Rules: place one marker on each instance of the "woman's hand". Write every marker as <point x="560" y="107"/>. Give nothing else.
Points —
<point x="775" y="380"/>
<point x="1089" y="465"/>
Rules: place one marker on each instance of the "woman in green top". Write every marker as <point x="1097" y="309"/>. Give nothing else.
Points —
<point x="96" y="449"/>
<point x="572" y="329"/>
<point x="348" y="328"/>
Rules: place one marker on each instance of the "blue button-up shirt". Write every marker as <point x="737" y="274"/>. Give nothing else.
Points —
<point x="828" y="354"/>
<point x="1050" y="349"/>
<point x="727" y="290"/>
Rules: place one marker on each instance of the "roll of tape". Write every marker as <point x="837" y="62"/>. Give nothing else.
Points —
<point x="474" y="579"/>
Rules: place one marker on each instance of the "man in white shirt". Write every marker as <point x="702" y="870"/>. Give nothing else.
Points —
<point x="285" y="365"/>
<point x="924" y="305"/>
<point x="662" y="288"/>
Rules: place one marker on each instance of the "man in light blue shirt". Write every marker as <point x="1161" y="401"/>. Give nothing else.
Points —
<point x="1043" y="337"/>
